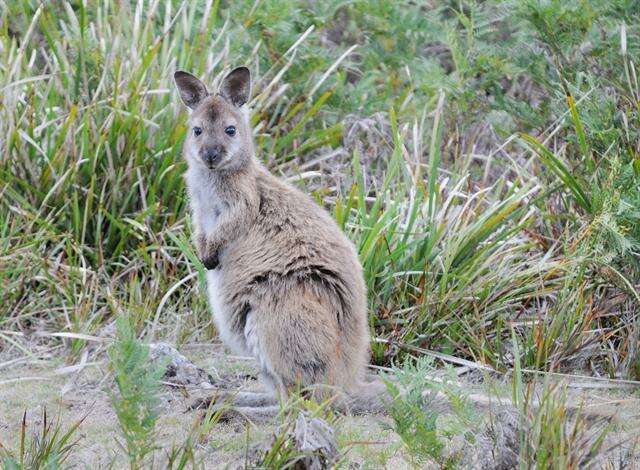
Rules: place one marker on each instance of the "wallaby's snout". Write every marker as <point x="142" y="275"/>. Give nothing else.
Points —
<point x="212" y="155"/>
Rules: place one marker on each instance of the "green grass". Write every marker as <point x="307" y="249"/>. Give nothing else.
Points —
<point x="423" y="425"/>
<point x="551" y="434"/>
<point x="137" y="402"/>
<point x="483" y="157"/>
<point x="47" y="448"/>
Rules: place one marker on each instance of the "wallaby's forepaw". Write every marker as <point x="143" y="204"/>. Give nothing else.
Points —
<point x="207" y="252"/>
<point x="211" y="261"/>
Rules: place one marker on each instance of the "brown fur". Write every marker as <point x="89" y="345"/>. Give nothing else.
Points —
<point x="285" y="283"/>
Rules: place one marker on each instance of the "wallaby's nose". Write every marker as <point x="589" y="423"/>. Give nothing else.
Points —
<point x="211" y="155"/>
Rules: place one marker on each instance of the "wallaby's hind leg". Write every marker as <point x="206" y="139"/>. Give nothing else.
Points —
<point x="297" y="341"/>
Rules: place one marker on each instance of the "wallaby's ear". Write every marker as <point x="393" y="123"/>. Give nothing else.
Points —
<point x="192" y="90"/>
<point x="236" y="86"/>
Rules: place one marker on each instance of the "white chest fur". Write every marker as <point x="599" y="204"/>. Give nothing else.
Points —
<point x="221" y="311"/>
<point x="206" y="208"/>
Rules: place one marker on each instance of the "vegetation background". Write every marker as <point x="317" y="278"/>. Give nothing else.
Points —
<point x="483" y="156"/>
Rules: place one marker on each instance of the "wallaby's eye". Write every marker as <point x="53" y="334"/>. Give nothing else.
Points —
<point x="197" y="131"/>
<point x="231" y="130"/>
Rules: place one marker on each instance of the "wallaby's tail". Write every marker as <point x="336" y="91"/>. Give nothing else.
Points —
<point x="369" y="397"/>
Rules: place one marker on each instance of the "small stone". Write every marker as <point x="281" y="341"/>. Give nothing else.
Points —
<point x="180" y="370"/>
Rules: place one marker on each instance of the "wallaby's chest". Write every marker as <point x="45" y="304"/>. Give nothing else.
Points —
<point x="206" y="205"/>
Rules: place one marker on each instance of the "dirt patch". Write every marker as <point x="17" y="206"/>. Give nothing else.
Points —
<point x="85" y="394"/>
<point x="82" y="391"/>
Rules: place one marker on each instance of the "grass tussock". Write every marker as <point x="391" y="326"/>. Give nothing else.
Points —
<point x="48" y="447"/>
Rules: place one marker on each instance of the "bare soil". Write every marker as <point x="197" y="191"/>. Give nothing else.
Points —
<point x="74" y="393"/>
<point x="80" y="389"/>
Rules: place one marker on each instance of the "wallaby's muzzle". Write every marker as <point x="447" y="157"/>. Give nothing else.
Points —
<point x="211" y="156"/>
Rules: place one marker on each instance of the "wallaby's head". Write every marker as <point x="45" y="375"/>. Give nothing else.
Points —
<point x="219" y="137"/>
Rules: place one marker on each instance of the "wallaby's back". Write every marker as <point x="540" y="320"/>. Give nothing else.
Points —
<point x="294" y="286"/>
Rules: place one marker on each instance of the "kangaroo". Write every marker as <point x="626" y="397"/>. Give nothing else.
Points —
<point x="284" y="283"/>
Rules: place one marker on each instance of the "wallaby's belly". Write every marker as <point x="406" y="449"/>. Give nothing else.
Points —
<point x="222" y="312"/>
<point x="245" y="342"/>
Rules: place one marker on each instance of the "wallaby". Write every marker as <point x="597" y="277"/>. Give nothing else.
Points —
<point x="284" y="283"/>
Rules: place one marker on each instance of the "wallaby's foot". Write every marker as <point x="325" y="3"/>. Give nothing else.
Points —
<point x="228" y="407"/>
<point x="207" y="402"/>
<point x="232" y="414"/>
<point x="201" y="403"/>
<point x="252" y="414"/>
<point x="237" y="399"/>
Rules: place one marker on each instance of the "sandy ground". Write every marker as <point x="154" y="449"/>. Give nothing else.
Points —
<point x="81" y="389"/>
<point x="29" y="385"/>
